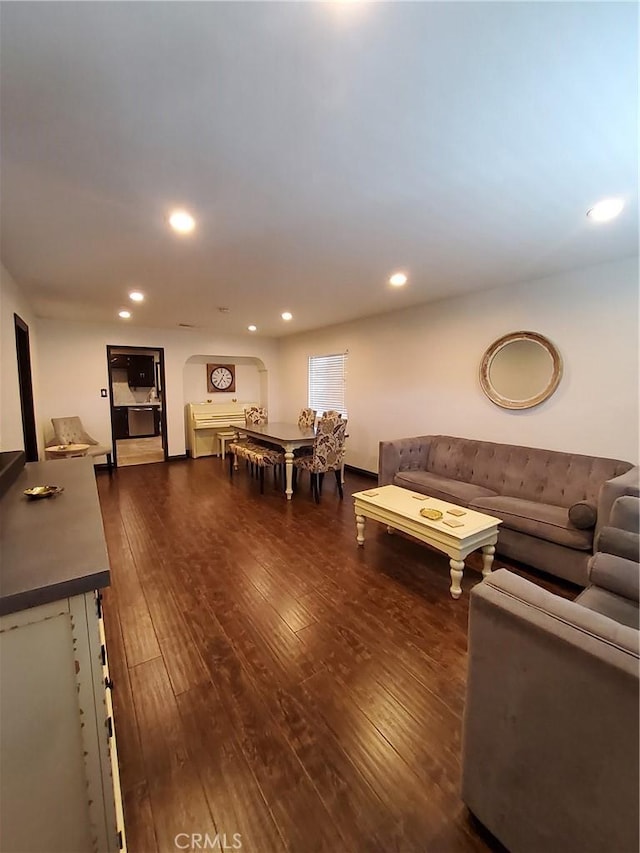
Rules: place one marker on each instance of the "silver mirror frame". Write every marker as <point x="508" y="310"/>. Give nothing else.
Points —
<point x="494" y="349"/>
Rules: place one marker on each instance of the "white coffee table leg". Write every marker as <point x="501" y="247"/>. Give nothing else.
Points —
<point x="456" y="571"/>
<point x="487" y="559"/>
<point x="360" y="529"/>
<point x="288" y="464"/>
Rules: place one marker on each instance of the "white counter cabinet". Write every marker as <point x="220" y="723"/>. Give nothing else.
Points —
<point x="59" y="783"/>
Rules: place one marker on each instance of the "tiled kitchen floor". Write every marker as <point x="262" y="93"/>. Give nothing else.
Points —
<point x="139" y="451"/>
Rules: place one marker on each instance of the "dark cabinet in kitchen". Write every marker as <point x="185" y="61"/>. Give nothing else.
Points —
<point x="120" y="422"/>
<point x="119" y="361"/>
<point x="157" y="423"/>
<point x="141" y="371"/>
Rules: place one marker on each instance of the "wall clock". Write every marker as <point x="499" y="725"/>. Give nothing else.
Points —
<point x="221" y="377"/>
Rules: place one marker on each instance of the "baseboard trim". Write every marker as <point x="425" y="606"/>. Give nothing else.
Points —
<point x="179" y="457"/>
<point x="371" y="474"/>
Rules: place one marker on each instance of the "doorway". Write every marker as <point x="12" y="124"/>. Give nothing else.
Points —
<point x="23" y="353"/>
<point x="138" y="404"/>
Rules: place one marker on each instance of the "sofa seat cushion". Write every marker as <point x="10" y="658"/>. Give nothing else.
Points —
<point x="609" y="604"/>
<point x="444" y="489"/>
<point x="537" y="519"/>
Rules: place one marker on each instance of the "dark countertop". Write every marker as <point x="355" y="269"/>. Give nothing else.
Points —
<point x="136" y="405"/>
<point x="51" y="548"/>
<point x="11" y="465"/>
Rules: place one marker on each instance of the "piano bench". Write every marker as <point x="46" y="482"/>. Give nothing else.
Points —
<point x="224" y="436"/>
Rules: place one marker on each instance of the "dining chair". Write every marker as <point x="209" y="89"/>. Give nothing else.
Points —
<point x="256" y="416"/>
<point x="328" y="455"/>
<point x="71" y="431"/>
<point x="253" y="416"/>
<point x="256" y="453"/>
<point x="307" y="418"/>
<point x="260" y="457"/>
<point x="331" y="413"/>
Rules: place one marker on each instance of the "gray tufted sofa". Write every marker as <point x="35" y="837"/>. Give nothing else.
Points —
<point x="550" y="733"/>
<point x="552" y="504"/>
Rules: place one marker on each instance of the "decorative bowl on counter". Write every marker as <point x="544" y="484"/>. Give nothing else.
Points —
<point x="43" y="491"/>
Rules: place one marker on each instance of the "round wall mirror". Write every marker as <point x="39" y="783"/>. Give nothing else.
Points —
<point x="520" y="370"/>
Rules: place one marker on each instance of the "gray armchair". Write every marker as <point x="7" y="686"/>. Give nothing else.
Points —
<point x="550" y="731"/>
<point x="71" y="431"/>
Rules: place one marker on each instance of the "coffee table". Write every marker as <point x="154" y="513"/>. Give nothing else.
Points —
<point x="63" y="451"/>
<point x="400" y="509"/>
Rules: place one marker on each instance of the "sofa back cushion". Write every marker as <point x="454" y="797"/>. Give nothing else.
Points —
<point x="547" y="476"/>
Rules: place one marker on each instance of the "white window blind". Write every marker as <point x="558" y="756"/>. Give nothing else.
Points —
<point x="327" y="374"/>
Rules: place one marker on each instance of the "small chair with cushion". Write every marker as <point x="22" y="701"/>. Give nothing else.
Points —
<point x="328" y="454"/>
<point x="71" y="431"/>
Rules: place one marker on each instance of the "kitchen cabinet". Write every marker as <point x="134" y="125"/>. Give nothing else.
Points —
<point x="157" y="420"/>
<point x="141" y="371"/>
<point x="119" y="362"/>
<point x="120" y="422"/>
<point x="59" y="787"/>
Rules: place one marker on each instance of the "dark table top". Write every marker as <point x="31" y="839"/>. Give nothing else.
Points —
<point x="279" y="431"/>
<point x="54" y="547"/>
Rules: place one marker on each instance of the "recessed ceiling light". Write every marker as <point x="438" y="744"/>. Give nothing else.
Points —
<point x="287" y="315"/>
<point x="182" y="221"/>
<point x="124" y="314"/>
<point x="606" y="209"/>
<point x="398" y="279"/>
<point x="136" y="296"/>
<point x="252" y="328"/>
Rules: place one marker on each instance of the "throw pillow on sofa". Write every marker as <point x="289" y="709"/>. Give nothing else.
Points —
<point x="583" y="515"/>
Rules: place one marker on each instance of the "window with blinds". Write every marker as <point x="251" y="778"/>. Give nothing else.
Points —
<point x="327" y="375"/>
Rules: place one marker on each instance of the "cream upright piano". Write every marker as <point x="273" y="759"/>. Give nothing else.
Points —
<point x="211" y="425"/>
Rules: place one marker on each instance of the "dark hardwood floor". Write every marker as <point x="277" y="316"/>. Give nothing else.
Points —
<point x="273" y="679"/>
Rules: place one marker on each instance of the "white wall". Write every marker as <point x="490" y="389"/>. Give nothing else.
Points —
<point x="13" y="300"/>
<point x="73" y="369"/>
<point x="415" y="372"/>
<point x="247" y="380"/>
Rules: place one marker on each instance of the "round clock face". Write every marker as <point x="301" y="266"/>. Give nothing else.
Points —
<point x="221" y="378"/>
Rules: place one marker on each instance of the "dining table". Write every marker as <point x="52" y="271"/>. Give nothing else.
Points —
<point x="289" y="436"/>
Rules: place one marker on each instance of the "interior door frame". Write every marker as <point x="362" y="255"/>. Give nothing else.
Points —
<point x="25" y="383"/>
<point x="137" y="350"/>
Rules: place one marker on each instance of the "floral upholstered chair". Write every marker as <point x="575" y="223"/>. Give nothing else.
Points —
<point x="256" y="416"/>
<point x="259" y="455"/>
<point x="307" y="418"/>
<point x="238" y="449"/>
<point x="328" y="455"/>
<point x="332" y="413"/>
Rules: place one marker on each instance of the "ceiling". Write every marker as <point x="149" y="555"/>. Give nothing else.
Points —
<point x="320" y="146"/>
